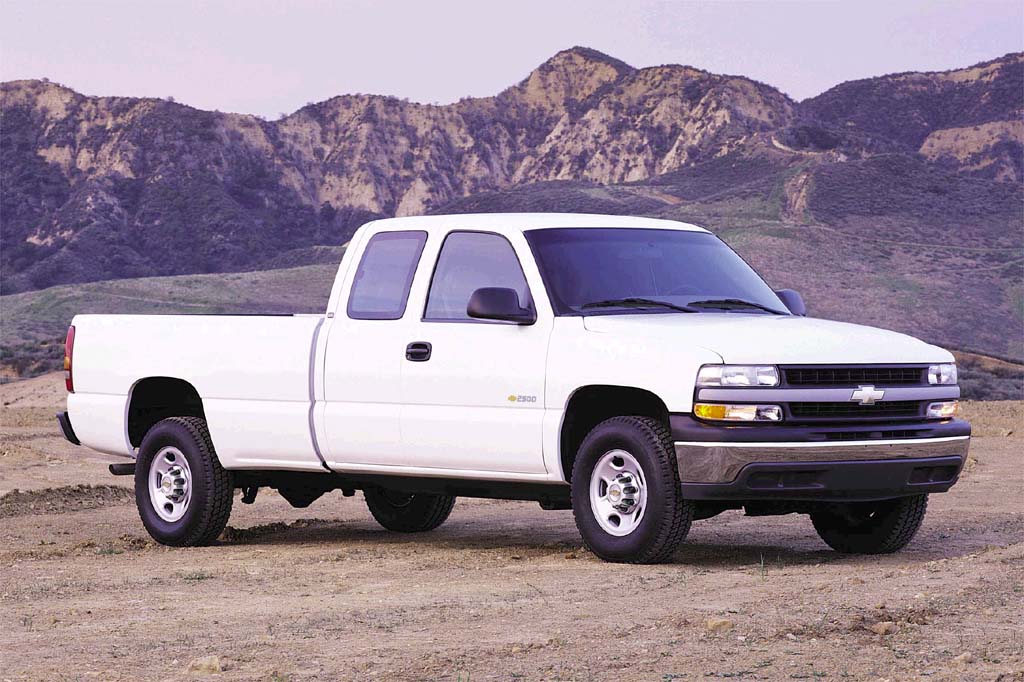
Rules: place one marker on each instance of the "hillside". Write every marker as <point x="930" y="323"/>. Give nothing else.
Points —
<point x="32" y="324"/>
<point x="893" y="200"/>
<point x="970" y="118"/>
<point x="101" y="188"/>
<point x="889" y="241"/>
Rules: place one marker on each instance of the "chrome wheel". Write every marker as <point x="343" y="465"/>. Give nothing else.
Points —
<point x="618" y="493"/>
<point x="170" y="484"/>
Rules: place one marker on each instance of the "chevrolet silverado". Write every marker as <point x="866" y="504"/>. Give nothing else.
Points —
<point x="636" y="371"/>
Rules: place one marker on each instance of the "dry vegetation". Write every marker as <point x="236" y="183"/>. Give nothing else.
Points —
<point x="503" y="591"/>
<point x="891" y="201"/>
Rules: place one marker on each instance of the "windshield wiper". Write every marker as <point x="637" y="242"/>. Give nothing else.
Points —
<point x="637" y="303"/>
<point x="726" y="303"/>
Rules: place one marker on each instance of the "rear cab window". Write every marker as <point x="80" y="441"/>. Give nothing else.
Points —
<point x="469" y="261"/>
<point x="380" y="289"/>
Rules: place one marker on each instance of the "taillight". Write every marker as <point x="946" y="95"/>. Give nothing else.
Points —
<point x="69" y="349"/>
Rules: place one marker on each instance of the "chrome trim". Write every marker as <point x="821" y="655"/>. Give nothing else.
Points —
<point x="718" y="462"/>
<point x="825" y="395"/>
<point x="818" y="444"/>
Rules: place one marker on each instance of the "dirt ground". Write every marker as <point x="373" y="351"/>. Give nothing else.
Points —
<point x="503" y="591"/>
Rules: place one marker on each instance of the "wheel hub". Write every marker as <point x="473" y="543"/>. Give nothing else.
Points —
<point x="622" y="493"/>
<point x="170" y="490"/>
<point x="173" y="484"/>
<point x="618" y="493"/>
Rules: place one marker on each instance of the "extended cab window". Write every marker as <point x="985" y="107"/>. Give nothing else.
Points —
<point x="470" y="261"/>
<point x="381" y="286"/>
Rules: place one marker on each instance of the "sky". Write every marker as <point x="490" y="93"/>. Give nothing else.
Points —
<point x="268" y="58"/>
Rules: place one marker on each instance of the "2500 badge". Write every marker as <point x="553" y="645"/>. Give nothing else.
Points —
<point x="522" y="398"/>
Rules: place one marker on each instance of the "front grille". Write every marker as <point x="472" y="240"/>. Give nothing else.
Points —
<point x="874" y="435"/>
<point x="853" y="376"/>
<point x="882" y="410"/>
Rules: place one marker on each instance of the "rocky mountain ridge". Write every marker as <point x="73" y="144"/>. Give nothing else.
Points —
<point x="106" y="187"/>
<point x="893" y="201"/>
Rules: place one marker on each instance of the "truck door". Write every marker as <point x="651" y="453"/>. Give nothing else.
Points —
<point x="473" y="390"/>
<point x="365" y="352"/>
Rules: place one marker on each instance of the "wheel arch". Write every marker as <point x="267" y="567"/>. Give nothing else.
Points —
<point x="590" y="405"/>
<point x="152" y="399"/>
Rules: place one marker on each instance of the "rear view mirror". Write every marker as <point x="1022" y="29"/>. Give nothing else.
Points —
<point x="498" y="303"/>
<point x="793" y="300"/>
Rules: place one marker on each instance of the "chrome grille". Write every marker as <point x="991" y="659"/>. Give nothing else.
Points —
<point x="854" y="376"/>
<point x="850" y="410"/>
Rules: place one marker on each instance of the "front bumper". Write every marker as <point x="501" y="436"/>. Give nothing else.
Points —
<point x="800" y="463"/>
<point x="849" y="481"/>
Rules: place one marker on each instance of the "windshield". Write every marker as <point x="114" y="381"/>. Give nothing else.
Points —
<point x="601" y="270"/>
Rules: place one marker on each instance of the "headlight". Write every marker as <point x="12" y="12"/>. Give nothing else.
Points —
<point x="738" y="375"/>
<point x="944" y="410"/>
<point x="738" y="413"/>
<point x="942" y="374"/>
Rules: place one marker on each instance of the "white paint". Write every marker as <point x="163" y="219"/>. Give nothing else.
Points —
<point x="374" y="411"/>
<point x="251" y="372"/>
<point x="774" y="339"/>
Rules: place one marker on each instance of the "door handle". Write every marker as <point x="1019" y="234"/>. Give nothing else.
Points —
<point x="418" y="351"/>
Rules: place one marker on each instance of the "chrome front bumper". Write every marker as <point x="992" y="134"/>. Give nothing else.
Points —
<point x="722" y="462"/>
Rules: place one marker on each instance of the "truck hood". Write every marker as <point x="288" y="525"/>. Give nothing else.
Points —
<point x="741" y="338"/>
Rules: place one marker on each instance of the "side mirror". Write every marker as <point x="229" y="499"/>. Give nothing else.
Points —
<point x="793" y="300"/>
<point x="497" y="303"/>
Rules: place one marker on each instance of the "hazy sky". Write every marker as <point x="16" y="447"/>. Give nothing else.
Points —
<point x="270" y="57"/>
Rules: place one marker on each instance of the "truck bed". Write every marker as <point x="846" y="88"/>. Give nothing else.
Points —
<point x="254" y="372"/>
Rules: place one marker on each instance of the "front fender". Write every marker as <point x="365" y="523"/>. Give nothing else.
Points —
<point x="578" y="357"/>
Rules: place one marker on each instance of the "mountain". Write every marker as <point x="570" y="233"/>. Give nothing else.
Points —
<point x="893" y="200"/>
<point x="98" y="188"/>
<point x="970" y="117"/>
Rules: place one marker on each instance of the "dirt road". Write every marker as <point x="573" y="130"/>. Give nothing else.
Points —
<point x="503" y="591"/>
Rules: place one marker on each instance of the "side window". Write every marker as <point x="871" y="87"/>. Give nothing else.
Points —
<point x="469" y="261"/>
<point x="381" y="286"/>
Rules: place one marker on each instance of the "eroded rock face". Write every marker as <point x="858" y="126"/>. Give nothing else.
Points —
<point x="97" y="188"/>
<point x="968" y="117"/>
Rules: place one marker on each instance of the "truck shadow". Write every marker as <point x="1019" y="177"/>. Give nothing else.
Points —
<point x="731" y="548"/>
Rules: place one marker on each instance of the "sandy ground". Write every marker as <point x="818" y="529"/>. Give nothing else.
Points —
<point x="503" y="591"/>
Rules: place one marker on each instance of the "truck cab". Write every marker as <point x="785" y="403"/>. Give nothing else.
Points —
<point x="637" y="371"/>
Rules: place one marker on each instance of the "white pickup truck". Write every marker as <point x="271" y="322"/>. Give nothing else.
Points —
<point x="637" y="371"/>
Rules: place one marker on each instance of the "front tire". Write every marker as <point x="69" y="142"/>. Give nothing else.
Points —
<point x="626" y="496"/>
<point x="408" y="512"/>
<point x="871" y="527"/>
<point x="183" y="494"/>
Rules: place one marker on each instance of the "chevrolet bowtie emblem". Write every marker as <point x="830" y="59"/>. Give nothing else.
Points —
<point x="867" y="395"/>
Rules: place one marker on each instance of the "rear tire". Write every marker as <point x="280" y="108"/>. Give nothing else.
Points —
<point x="626" y="496"/>
<point x="871" y="527"/>
<point x="182" y="493"/>
<point x="408" y="512"/>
